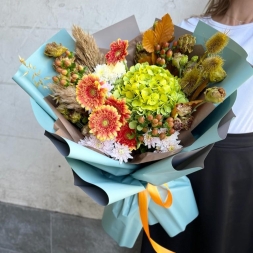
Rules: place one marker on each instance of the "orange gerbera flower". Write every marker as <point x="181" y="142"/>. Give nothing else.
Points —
<point x="104" y="122"/>
<point x="126" y="136"/>
<point x="89" y="93"/>
<point x="121" y="107"/>
<point x="118" y="51"/>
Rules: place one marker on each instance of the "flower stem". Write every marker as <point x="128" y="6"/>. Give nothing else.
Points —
<point x="195" y="108"/>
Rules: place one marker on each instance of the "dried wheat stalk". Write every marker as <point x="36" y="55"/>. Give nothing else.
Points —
<point x="87" y="51"/>
<point x="65" y="95"/>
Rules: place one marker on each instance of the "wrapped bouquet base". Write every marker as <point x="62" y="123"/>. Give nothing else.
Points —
<point x="121" y="220"/>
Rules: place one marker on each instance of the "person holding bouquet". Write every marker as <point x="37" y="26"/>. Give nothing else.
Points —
<point x="224" y="188"/>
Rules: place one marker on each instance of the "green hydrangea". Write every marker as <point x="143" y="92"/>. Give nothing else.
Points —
<point x="149" y="89"/>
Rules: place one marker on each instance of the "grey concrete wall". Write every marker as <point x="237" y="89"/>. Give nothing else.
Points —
<point x="32" y="172"/>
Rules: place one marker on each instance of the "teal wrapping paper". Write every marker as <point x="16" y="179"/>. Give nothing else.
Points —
<point x="116" y="185"/>
<point x="121" y="220"/>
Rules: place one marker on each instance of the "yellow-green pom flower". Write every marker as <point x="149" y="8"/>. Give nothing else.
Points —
<point x="212" y="63"/>
<point x="63" y="110"/>
<point x="217" y="75"/>
<point x="75" y="117"/>
<point x="217" y="42"/>
<point x="212" y="69"/>
<point x="186" y="43"/>
<point x="150" y="89"/>
<point x="54" y="50"/>
<point x="179" y="60"/>
<point x="215" y="94"/>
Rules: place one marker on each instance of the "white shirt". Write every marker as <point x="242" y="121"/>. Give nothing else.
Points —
<point x="243" y="106"/>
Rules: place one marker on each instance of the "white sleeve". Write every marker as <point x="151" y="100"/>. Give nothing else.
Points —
<point x="189" y="24"/>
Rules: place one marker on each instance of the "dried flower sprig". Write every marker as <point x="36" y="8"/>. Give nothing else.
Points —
<point x="209" y="67"/>
<point x="54" y="50"/>
<point x="35" y="74"/>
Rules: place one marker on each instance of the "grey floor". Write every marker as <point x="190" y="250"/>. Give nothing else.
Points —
<point x="29" y="230"/>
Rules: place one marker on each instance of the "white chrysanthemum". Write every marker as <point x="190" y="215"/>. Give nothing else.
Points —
<point x="108" y="146"/>
<point x="121" y="153"/>
<point x="100" y="70"/>
<point x="150" y="141"/>
<point x="170" y="143"/>
<point x="83" y="141"/>
<point x="174" y="136"/>
<point x="162" y="130"/>
<point x="119" y="69"/>
<point x="110" y="73"/>
<point x="93" y="142"/>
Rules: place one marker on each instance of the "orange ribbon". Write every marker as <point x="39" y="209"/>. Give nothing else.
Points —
<point x="143" y="207"/>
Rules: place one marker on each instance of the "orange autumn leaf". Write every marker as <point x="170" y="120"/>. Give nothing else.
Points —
<point x="164" y="29"/>
<point x="145" y="58"/>
<point x="148" y="41"/>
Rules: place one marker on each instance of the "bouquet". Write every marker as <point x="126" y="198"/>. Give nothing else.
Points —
<point x="143" y="113"/>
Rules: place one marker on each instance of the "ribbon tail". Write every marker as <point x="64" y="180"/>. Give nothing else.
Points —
<point x="143" y="206"/>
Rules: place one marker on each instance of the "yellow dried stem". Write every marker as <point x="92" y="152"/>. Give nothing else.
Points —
<point x="201" y="87"/>
<point x="189" y="80"/>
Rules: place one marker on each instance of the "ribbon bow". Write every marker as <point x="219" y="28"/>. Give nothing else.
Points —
<point x="143" y="207"/>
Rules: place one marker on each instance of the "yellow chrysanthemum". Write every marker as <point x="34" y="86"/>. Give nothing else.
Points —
<point x="104" y="122"/>
<point x="89" y="93"/>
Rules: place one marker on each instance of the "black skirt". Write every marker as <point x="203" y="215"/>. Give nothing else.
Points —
<point x="224" y="195"/>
